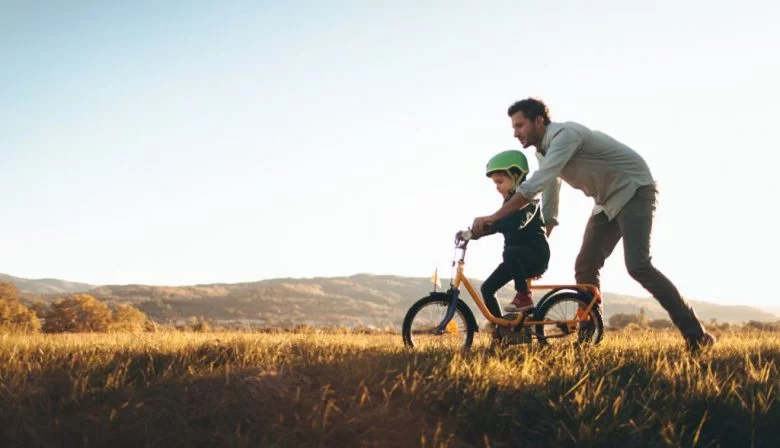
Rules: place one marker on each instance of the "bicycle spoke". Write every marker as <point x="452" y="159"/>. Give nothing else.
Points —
<point x="428" y="319"/>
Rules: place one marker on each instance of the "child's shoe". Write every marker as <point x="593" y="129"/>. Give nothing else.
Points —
<point x="521" y="302"/>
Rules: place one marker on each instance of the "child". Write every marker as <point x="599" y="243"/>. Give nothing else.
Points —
<point x="526" y="252"/>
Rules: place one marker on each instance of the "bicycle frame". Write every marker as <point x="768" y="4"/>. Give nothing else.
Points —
<point x="522" y="318"/>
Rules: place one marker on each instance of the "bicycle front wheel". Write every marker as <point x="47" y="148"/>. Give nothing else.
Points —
<point x="422" y="319"/>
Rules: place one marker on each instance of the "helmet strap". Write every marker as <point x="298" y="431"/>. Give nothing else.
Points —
<point x="517" y="179"/>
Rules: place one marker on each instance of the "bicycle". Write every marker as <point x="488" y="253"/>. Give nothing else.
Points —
<point x="443" y="319"/>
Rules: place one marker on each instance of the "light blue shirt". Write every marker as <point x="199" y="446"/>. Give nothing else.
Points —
<point x="590" y="161"/>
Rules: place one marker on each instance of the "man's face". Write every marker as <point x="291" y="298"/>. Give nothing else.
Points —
<point x="529" y="132"/>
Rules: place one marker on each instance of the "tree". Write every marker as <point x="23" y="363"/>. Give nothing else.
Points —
<point x="9" y="292"/>
<point x="622" y="320"/>
<point x="660" y="324"/>
<point x="40" y="309"/>
<point x="77" y="314"/>
<point x="14" y="316"/>
<point x="197" y="324"/>
<point x="128" y="318"/>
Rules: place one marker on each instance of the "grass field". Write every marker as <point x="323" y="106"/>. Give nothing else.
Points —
<point x="241" y="389"/>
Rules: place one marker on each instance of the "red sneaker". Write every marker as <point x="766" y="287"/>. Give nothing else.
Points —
<point x="521" y="302"/>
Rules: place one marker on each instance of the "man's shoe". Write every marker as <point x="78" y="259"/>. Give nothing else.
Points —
<point x="695" y="345"/>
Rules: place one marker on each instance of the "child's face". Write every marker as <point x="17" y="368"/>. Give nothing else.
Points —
<point x="503" y="183"/>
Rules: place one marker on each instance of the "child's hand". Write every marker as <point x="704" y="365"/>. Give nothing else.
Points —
<point x="480" y="224"/>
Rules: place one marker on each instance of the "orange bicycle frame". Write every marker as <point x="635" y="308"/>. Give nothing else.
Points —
<point x="460" y="278"/>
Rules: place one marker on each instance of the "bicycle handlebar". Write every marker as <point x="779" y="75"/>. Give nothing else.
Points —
<point x="462" y="238"/>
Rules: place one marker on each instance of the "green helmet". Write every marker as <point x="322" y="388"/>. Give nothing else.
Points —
<point x="505" y="161"/>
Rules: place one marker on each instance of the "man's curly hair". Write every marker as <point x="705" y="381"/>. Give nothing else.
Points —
<point x="531" y="108"/>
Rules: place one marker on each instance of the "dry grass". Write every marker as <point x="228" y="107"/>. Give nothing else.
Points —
<point x="234" y="389"/>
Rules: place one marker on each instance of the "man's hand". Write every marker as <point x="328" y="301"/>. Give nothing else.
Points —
<point x="480" y="224"/>
<point x="549" y="226"/>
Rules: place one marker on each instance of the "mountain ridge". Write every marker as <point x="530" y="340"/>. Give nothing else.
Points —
<point x="367" y="299"/>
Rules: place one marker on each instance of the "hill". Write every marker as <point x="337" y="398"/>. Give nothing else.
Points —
<point x="361" y="299"/>
<point x="45" y="285"/>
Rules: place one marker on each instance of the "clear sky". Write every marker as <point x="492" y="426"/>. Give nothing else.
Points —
<point x="192" y="142"/>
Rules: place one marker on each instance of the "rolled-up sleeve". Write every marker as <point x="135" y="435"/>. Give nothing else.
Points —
<point x="550" y="196"/>
<point x="562" y="147"/>
<point x="550" y="202"/>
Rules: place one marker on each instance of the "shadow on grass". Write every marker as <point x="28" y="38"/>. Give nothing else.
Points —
<point x="219" y="395"/>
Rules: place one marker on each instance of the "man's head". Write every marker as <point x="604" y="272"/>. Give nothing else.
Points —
<point x="530" y="118"/>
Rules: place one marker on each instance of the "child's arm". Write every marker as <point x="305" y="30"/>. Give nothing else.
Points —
<point x="489" y="230"/>
<point x="509" y="223"/>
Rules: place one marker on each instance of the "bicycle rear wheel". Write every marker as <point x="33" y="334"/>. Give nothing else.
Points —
<point x="569" y="306"/>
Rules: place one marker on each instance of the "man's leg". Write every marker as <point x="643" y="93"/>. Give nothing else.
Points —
<point x="600" y="238"/>
<point x="636" y="222"/>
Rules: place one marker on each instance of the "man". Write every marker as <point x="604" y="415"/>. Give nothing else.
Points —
<point x="619" y="181"/>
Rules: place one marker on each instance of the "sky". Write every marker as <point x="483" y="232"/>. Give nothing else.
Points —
<point x="176" y="143"/>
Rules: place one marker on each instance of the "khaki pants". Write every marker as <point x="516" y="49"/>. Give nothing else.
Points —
<point x="634" y="224"/>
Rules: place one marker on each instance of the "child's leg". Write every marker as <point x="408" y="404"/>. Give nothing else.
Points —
<point x="513" y="260"/>
<point x="492" y="284"/>
<point x="517" y="259"/>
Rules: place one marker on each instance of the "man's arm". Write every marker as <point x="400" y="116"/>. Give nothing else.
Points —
<point x="550" y="196"/>
<point x="550" y="200"/>
<point x="562" y="147"/>
<point x="516" y="202"/>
